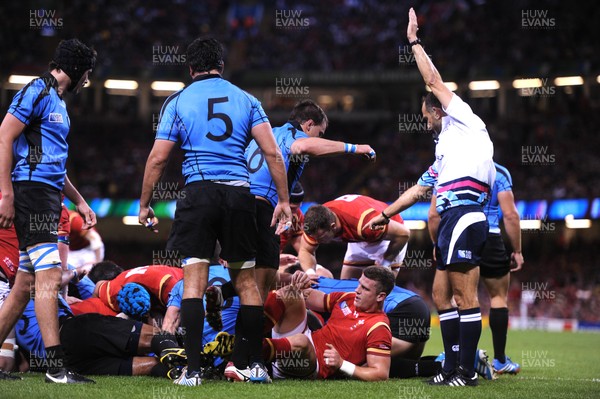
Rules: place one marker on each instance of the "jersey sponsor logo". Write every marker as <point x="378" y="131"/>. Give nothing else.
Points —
<point x="464" y="254"/>
<point x="55" y="117"/>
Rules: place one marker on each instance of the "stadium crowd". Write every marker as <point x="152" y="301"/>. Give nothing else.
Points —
<point x="338" y="38"/>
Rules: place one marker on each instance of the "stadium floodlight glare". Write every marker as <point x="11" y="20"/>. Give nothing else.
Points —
<point x="116" y="84"/>
<point x="452" y="86"/>
<point x="20" y="79"/>
<point x="573" y="223"/>
<point x="598" y="78"/>
<point x="161" y="85"/>
<point x="531" y="224"/>
<point x="415" y="224"/>
<point x="527" y="83"/>
<point x="484" y="85"/>
<point x="568" y="81"/>
<point x="131" y="221"/>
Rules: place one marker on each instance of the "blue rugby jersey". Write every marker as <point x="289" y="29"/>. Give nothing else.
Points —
<point x="492" y="209"/>
<point x="261" y="183"/>
<point x="28" y="334"/>
<point x="41" y="149"/>
<point x="211" y="119"/>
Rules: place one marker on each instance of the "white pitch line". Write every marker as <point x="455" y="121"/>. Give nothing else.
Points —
<point x="561" y="379"/>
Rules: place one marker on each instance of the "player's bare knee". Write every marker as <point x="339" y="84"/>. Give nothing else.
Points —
<point x="299" y="343"/>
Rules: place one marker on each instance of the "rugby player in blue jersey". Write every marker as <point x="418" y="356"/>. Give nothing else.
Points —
<point x="33" y="134"/>
<point x="299" y="139"/>
<point x="213" y="121"/>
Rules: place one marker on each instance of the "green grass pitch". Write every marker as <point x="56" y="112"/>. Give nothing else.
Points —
<point x="554" y="365"/>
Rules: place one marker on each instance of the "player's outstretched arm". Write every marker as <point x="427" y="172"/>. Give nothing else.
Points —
<point x="377" y="368"/>
<point x="398" y="235"/>
<point x="429" y="72"/>
<point x="307" y="256"/>
<point x="405" y="201"/>
<point x="319" y="147"/>
<point x="155" y="166"/>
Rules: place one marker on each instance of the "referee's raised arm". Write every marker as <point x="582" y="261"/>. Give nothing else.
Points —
<point x="430" y="74"/>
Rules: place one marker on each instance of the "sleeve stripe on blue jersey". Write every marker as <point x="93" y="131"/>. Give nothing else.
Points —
<point x="23" y="90"/>
<point x="167" y="101"/>
<point x="504" y="172"/>
<point x="44" y="93"/>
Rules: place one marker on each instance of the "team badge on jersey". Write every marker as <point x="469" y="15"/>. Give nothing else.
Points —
<point x="55" y="117"/>
<point x="345" y="309"/>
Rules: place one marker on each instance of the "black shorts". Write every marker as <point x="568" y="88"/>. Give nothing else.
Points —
<point x="494" y="259"/>
<point x="100" y="345"/>
<point x="410" y="320"/>
<point x="37" y="213"/>
<point x="207" y="212"/>
<point x="461" y="236"/>
<point x="267" y="246"/>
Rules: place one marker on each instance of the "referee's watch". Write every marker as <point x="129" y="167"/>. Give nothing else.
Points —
<point x="417" y="41"/>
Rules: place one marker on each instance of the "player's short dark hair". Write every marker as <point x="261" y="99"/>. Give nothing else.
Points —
<point x="106" y="270"/>
<point x="291" y="269"/>
<point x="384" y="277"/>
<point x="318" y="217"/>
<point x="308" y="109"/>
<point x="431" y="101"/>
<point x="205" y="54"/>
<point x="297" y="194"/>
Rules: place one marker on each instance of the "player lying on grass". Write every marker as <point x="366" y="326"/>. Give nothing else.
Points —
<point x="356" y="341"/>
<point x="99" y="344"/>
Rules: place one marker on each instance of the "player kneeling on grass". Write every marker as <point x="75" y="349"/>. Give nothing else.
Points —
<point x="355" y="342"/>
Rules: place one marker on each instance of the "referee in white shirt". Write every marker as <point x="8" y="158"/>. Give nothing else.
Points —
<point x="462" y="175"/>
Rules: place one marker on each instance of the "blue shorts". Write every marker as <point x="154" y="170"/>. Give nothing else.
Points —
<point x="461" y="236"/>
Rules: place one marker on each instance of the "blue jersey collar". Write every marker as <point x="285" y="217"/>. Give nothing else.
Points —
<point x="207" y="76"/>
<point x="50" y="80"/>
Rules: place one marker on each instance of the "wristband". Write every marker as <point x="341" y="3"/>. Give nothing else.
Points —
<point x="418" y="41"/>
<point x="349" y="148"/>
<point x="386" y="217"/>
<point x="347" y="368"/>
<point x="310" y="271"/>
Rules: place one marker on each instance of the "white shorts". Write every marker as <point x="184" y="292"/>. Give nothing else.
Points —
<point x="83" y="257"/>
<point x="4" y="291"/>
<point x="278" y="371"/>
<point x="367" y="253"/>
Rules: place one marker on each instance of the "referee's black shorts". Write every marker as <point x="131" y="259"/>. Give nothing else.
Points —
<point x="100" y="345"/>
<point x="267" y="246"/>
<point x="494" y="259"/>
<point x="410" y="320"/>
